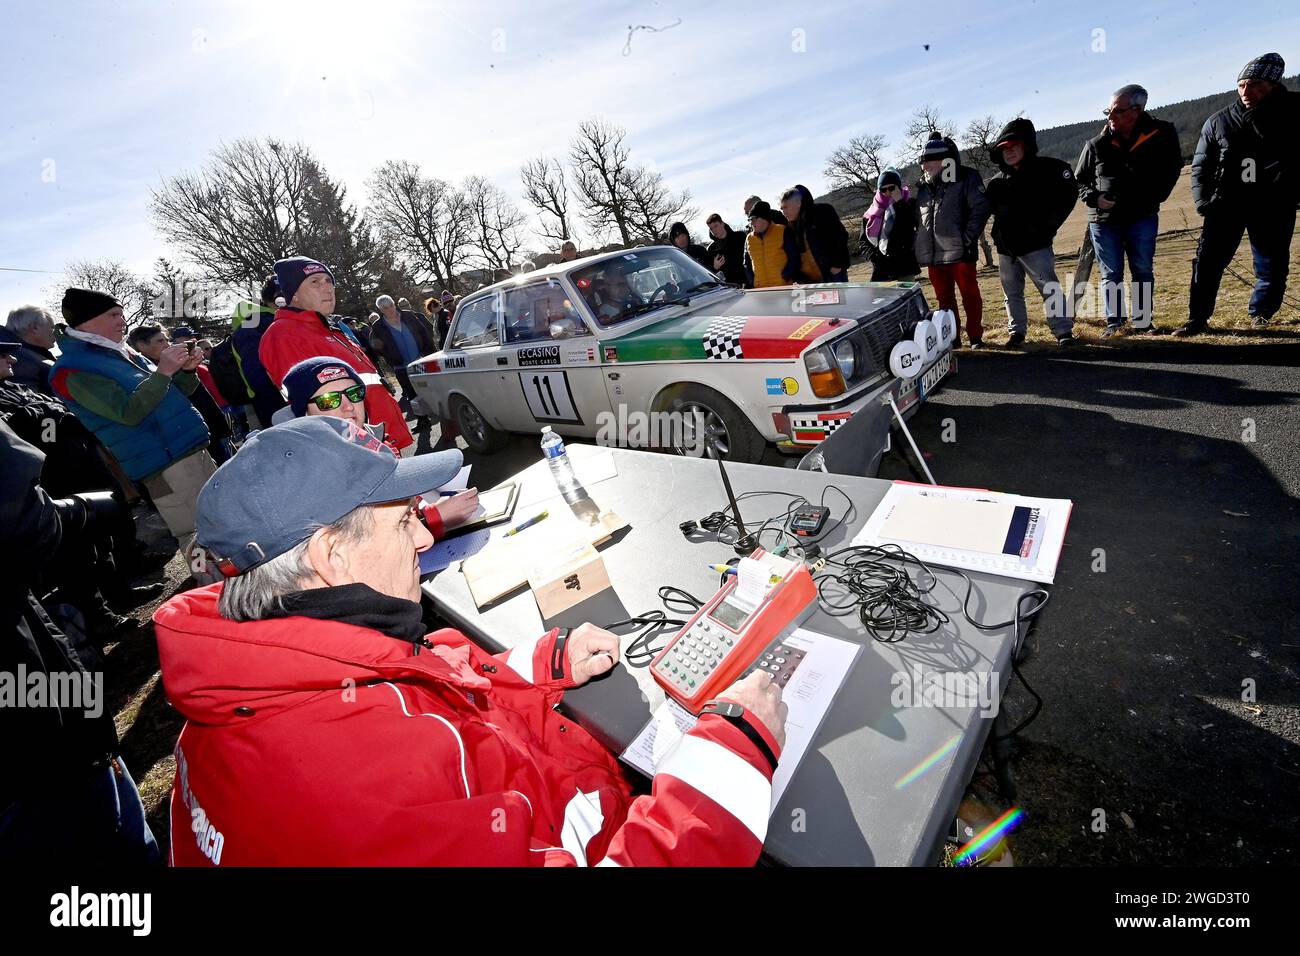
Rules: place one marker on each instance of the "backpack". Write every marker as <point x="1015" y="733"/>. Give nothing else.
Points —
<point x="224" y="367"/>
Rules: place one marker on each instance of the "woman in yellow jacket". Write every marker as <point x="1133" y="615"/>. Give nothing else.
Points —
<point x="765" y="255"/>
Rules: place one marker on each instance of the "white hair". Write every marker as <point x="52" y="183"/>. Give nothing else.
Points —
<point x="257" y="593"/>
<point x="26" y="318"/>
<point x="1136" y="95"/>
<point x="384" y="300"/>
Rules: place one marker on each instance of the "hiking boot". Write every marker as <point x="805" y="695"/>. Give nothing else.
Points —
<point x="1111" y="330"/>
<point x="1015" y="340"/>
<point x="1258" y="321"/>
<point x="975" y="344"/>
<point x="1065" y="341"/>
<point x="1191" y="328"/>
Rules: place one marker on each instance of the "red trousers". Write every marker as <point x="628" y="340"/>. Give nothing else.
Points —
<point x="962" y="275"/>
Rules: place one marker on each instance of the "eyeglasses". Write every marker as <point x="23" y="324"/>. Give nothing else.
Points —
<point x="331" y="400"/>
<point x="1108" y="112"/>
<point x="889" y="189"/>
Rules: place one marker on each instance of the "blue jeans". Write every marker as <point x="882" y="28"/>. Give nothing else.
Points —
<point x="100" y="822"/>
<point x="1137" y="241"/>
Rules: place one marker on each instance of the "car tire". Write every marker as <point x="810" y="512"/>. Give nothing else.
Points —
<point x="742" y="440"/>
<point x="480" y="436"/>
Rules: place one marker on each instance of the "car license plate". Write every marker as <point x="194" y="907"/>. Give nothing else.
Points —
<point x="935" y="373"/>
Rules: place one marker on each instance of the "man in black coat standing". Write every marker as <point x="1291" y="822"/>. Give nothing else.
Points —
<point x="817" y="243"/>
<point x="726" y="253"/>
<point x="401" y="338"/>
<point x="1030" y="197"/>
<point x="1246" y="179"/>
<point x="1124" y="173"/>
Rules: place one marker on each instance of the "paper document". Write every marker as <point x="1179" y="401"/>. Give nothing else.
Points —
<point x="808" y="696"/>
<point x="973" y="529"/>
<point x="446" y="552"/>
<point x="460" y="482"/>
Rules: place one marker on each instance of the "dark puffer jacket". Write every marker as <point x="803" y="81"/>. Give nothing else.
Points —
<point x="1029" y="203"/>
<point x="1250" y="156"/>
<point x="1139" y="175"/>
<point x="819" y="230"/>
<point x="951" y="213"/>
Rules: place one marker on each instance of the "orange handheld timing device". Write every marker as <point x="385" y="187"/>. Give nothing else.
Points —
<point x="725" y="637"/>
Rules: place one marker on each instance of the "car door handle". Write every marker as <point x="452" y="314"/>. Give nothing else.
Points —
<point x="613" y="376"/>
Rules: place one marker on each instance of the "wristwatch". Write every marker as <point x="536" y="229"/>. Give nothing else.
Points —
<point x="735" y="714"/>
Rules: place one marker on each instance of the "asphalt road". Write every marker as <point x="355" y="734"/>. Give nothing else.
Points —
<point x="1175" y="599"/>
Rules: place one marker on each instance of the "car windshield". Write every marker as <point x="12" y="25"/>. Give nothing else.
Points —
<point x="640" y="281"/>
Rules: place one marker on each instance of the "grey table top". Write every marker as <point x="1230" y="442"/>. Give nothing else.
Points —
<point x="880" y="783"/>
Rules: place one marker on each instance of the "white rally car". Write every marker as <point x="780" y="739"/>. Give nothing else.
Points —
<point x="590" y="344"/>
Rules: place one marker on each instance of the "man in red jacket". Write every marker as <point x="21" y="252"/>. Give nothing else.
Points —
<point x="303" y="329"/>
<point x="324" y="727"/>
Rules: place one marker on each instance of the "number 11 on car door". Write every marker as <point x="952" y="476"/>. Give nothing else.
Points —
<point x="549" y="396"/>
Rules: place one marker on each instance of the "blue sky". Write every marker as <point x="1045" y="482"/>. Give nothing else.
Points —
<point x="103" y="100"/>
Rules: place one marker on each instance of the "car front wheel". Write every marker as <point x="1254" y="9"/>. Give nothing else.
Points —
<point x="713" y="426"/>
<point x="481" y="437"/>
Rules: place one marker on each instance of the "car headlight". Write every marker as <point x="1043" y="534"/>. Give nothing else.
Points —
<point x="846" y="359"/>
<point x="823" y="372"/>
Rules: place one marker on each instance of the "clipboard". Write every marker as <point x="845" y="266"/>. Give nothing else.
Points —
<point x="496" y="504"/>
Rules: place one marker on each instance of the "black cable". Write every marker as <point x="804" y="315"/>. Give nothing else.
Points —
<point x="888" y="602"/>
<point x="891" y="605"/>
<point x="653" y="624"/>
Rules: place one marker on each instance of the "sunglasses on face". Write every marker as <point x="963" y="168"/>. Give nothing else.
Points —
<point x="1117" y="110"/>
<point x="889" y="189"/>
<point x="329" y="401"/>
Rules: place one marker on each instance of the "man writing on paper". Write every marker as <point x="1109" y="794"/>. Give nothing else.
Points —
<point x="324" y="727"/>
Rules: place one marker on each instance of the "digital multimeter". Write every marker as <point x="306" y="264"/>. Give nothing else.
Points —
<point x="807" y="520"/>
<point x="726" y="638"/>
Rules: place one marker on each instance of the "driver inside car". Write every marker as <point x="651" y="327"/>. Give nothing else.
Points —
<point x="618" y="298"/>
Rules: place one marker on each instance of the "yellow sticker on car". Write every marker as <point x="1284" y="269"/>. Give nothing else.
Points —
<point x="803" y="330"/>
<point x="790" y="386"/>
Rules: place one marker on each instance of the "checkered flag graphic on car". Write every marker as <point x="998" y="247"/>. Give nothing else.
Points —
<point x="722" y="338"/>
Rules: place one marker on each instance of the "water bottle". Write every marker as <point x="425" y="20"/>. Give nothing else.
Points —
<point x="561" y="467"/>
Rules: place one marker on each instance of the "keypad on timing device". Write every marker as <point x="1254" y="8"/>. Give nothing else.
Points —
<point x="696" y="654"/>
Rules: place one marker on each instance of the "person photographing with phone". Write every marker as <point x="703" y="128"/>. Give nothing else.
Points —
<point x="140" y="410"/>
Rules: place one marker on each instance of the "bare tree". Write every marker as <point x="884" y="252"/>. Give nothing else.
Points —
<point x="652" y="207"/>
<point x="424" y="220"/>
<point x="495" y="222"/>
<point x="600" y="163"/>
<point x="262" y="200"/>
<point x="138" y="300"/>
<point x="925" y="121"/>
<point x="858" y="164"/>
<point x="547" y="191"/>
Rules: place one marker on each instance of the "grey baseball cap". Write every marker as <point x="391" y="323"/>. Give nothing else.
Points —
<point x="287" y="481"/>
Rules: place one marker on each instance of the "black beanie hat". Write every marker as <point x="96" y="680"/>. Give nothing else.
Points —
<point x="889" y="177"/>
<point x="761" y="210"/>
<point x="936" y="147"/>
<point x="1267" y="67"/>
<point x="82" y="305"/>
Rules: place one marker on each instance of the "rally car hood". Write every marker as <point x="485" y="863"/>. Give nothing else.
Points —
<point x="758" y="324"/>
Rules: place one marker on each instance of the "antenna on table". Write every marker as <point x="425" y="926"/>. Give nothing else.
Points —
<point x="745" y="542"/>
